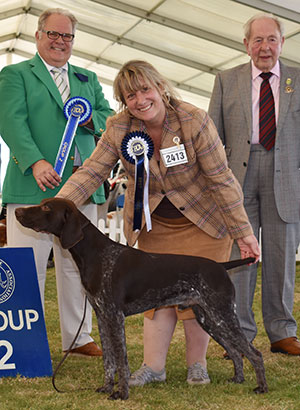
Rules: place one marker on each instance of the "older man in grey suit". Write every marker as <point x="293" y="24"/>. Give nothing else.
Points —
<point x="270" y="176"/>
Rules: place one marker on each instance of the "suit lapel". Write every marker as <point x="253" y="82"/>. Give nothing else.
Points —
<point x="244" y="86"/>
<point x="39" y="70"/>
<point x="284" y="97"/>
<point x="170" y="131"/>
<point x="74" y="82"/>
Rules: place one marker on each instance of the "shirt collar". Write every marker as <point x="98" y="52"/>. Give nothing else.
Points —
<point x="49" y="67"/>
<point x="256" y="72"/>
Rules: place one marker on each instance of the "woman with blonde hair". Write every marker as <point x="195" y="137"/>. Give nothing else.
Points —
<point x="181" y="198"/>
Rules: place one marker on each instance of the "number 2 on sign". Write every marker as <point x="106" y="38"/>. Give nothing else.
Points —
<point x="9" y="352"/>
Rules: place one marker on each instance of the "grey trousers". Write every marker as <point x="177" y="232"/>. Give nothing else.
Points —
<point x="279" y="242"/>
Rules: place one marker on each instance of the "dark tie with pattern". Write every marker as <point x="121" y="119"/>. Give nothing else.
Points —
<point x="267" y="123"/>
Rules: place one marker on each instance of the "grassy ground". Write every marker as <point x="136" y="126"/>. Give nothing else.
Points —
<point x="80" y="377"/>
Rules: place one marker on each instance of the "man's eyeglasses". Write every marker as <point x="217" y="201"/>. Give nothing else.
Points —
<point x="54" y="35"/>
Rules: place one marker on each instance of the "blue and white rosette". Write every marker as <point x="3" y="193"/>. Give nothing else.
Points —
<point x="137" y="147"/>
<point x="77" y="110"/>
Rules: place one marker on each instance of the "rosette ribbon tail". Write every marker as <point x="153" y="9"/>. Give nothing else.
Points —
<point x="146" y="197"/>
<point x="137" y="148"/>
<point x="138" y="193"/>
<point x="141" y="195"/>
<point x="77" y="110"/>
<point x="66" y="144"/>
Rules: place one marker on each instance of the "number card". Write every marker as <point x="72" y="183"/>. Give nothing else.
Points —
<point x="174" y="156"/>
<point x="24" y="345"/>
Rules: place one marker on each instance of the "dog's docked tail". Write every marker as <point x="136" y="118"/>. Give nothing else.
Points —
<point x="237" y="262"/>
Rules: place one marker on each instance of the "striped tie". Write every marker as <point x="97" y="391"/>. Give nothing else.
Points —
<point x="61" y="83"/>
<point x="267" y="123"/>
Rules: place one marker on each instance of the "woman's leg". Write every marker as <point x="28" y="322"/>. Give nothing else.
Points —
<point x="196" y="343"/>
<point x="158" y="333"/>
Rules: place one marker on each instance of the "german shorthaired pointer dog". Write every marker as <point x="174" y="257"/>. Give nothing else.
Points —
<point x="121" y="281"/>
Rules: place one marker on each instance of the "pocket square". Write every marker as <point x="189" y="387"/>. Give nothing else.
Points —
<point x="82" y="77"/>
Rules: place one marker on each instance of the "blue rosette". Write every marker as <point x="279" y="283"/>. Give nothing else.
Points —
<point x="77" y="110"/>
<point x="78" y="107"/>
<point x="135" y="144"/>
<point x="137" y="148"/>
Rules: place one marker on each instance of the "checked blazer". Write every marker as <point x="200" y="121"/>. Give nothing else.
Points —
<point x="203" y="189"/>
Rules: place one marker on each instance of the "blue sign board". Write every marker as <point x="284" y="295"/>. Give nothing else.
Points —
<point x="24" y="348"/>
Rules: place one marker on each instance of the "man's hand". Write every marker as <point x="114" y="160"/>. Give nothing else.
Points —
<point x="45" y="175"/>
<point x="249" y="247"/>
<point x="88" y="123"/>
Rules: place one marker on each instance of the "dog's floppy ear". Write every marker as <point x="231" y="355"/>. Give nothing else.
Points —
<point x="72" y="230"/>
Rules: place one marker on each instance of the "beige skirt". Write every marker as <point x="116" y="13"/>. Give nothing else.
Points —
<point x="180" y="236"/>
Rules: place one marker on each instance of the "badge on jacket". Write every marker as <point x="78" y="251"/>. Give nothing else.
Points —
<point x="174" y="155"/>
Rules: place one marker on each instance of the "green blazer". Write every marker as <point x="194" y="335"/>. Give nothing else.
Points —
<point x="32" y="123"/>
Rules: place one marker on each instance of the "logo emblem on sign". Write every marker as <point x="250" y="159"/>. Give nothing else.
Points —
<point x="7" y="282"/>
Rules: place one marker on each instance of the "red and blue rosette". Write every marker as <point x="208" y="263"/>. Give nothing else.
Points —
<point x="137" y="147"/>
<point x="77" y="110"/>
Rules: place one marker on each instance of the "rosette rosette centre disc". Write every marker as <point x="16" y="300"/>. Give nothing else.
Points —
<point x="78" y="107"/>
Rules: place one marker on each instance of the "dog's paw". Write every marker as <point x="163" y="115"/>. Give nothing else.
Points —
<point x="261" y="389"/>
<point x="105" y="389"/>
<point x="237" y="379"/>
<point x="117" y="395"/>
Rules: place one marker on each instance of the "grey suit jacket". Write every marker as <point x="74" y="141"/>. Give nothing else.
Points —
<point x="231" y="110"/>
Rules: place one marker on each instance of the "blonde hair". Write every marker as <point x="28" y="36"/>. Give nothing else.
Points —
<point x="134" y="74"/>
<point x="259" y="16"/>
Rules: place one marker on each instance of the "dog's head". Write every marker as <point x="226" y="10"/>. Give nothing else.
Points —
<point x="57" y="216"/>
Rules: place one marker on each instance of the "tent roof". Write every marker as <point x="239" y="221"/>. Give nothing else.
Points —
<point x="188" y="41"/>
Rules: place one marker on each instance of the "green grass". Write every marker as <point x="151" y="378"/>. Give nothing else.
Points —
<point x="80" y="377"/>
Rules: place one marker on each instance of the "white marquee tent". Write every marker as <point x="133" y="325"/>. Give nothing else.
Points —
<point x="188" y="41"/>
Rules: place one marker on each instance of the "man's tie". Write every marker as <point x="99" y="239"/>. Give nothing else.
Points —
<point x="267" y="123"/>
<point x="61" y="83"/>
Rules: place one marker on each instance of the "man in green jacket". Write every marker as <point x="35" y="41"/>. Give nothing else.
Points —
<point x="32" y="124"/>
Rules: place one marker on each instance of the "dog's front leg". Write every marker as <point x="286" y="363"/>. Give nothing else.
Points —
<point x="112" y="333"/>
<point x="109" y="362"/>
<point x="118" y="340"/>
